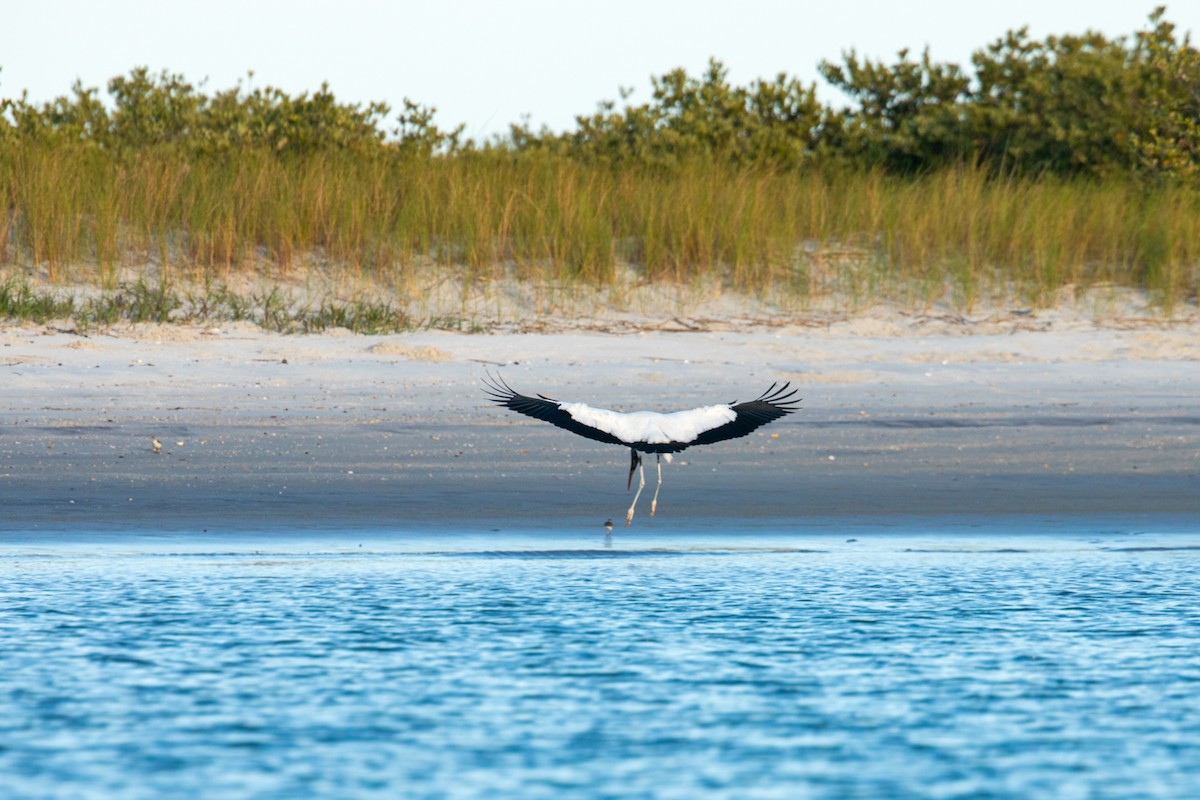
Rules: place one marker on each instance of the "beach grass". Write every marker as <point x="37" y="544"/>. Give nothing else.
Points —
<point x="83" y="215"/>
<point x="156" y="302"/>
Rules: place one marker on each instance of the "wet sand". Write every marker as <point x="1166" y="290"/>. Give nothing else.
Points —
<point x="265" y="432"/>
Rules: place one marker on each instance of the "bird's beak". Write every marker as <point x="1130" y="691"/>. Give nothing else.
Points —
<point x="634" y="460"/>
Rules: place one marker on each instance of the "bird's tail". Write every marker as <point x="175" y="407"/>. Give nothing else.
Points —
<point x="635" y="459"/>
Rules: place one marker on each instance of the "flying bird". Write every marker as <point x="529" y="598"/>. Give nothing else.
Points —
<point x="650" y="431"/>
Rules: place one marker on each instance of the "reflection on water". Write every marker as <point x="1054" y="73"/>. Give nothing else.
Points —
<point x="608" y="666"/>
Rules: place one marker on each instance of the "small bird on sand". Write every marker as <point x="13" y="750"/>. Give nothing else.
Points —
<point x="156" y="444"/>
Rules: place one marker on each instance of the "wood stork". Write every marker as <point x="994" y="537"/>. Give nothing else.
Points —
<point x="650" y="431"/>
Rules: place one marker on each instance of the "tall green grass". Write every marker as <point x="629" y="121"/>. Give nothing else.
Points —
<point x="80" y="213"/>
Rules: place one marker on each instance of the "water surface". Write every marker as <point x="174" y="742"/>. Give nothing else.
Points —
<point x="782" y="661"/>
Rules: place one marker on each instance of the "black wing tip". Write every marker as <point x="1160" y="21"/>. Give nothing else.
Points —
<point x="779" y="397"/>
<point x="496" y="388"/>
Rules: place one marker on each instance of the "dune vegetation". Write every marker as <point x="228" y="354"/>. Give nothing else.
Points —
<point x="1071" y="161"/>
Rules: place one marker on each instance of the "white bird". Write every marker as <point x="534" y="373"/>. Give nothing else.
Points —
<point x="650" y="431"/>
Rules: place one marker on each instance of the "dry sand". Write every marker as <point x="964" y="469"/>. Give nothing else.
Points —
<point x="1048" y="414"/>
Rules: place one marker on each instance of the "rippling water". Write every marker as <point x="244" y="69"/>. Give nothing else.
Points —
<point x="766" y="664"/>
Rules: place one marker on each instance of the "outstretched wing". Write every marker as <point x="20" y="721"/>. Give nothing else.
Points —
<point x="543" y="408"/>
<point x="773" y="404"/>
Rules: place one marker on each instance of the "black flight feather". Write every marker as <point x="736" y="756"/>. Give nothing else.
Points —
<point x="772" y="405"/>
<point x="543" y="408"/>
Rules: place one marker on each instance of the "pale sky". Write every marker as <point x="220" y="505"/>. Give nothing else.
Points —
<point x="486" y="64"/>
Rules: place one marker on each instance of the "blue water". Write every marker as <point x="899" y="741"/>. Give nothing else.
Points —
<point x="538" y="664"/>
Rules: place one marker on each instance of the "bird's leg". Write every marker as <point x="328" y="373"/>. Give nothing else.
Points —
<point x="637" y="494"/>
<point x="637" y="462"/>
<point x="654" y="502"/>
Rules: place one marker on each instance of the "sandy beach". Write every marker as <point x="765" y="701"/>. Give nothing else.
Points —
<point x="1040" y="414"/>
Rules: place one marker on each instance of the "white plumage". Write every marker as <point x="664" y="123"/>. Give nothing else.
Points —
<point x="651" y="427"/>
<point x="650" y="431"/>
